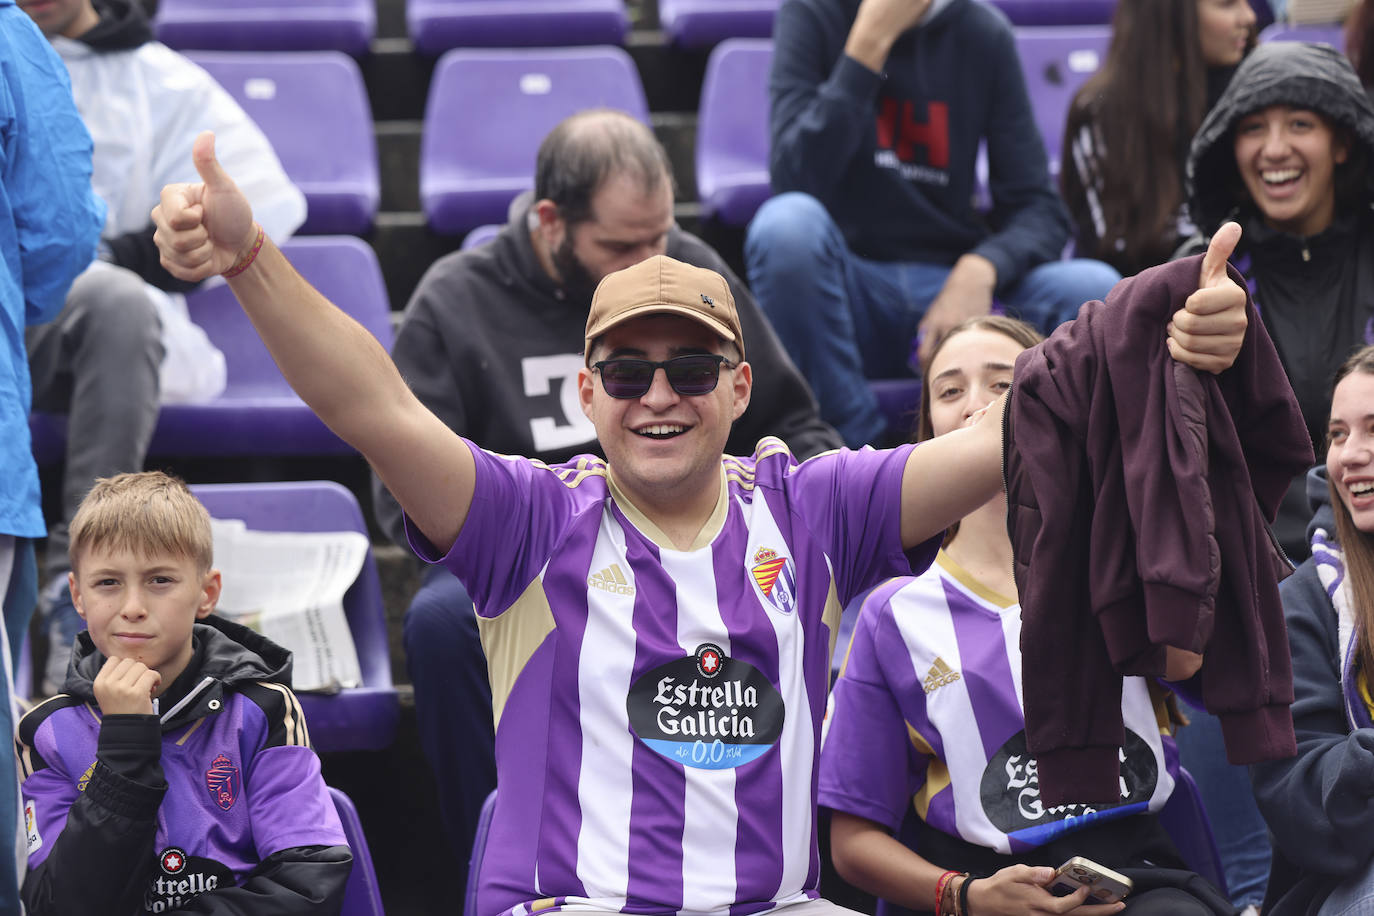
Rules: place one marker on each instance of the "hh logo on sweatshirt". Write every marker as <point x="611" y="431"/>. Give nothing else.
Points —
<point x="902" y="133"/>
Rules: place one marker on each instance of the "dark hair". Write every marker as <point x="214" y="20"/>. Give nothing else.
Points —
<point x="1357" y="545"/>
<point x="1145" y="103"/>
<point x="589" y="147"/>
<point x="1359" y="41"/>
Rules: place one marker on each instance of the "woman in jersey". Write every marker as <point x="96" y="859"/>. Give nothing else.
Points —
<point x="928" y="710"/>
<point x="1319" y="803"/>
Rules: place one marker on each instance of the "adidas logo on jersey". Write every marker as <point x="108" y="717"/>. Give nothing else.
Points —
<point x="940" y="675"/>
<point x="612" y="580"/>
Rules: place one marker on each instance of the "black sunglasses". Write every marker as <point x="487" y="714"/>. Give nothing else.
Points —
<point x="689" y="375"/>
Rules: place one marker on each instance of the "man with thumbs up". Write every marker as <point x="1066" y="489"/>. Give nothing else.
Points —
<point x="622" y="600"/>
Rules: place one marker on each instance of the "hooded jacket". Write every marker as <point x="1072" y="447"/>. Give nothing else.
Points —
<point x="492" y="345"/>
<point x="144" y="104"/>
<point x="216" y="797"/>
<point x="1138" y="491"/>
<point x="892" y="155"/>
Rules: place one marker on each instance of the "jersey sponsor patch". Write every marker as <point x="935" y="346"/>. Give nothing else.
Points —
<point x="1010" y="792"/>
<point x="706" y="710"/>
<point x="222" y="779"/>
<point x="776" y="578"/>
<point x="35" y="839"/>
<point x="181" y="877"/>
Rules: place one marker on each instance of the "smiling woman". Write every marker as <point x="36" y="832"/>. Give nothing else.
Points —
<point x="1286" y="151"/>
<point x="1317" y="802"/>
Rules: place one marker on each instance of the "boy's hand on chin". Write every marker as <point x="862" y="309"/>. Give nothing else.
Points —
<point x="125" y="686"/>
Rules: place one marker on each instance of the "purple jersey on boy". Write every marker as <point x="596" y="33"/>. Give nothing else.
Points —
<point x="658" y="711"/>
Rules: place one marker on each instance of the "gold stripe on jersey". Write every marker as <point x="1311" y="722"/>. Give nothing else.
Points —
<point x="937" y="773"/>
<point x="191" y="731"/>
<point x="705" y="536"/>
<point x="294" y="717"/>
<point x="831" y="618"/>
<point x="511" y="639"/>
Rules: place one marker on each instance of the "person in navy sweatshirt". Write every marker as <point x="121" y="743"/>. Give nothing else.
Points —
<point x="873" y="246"/>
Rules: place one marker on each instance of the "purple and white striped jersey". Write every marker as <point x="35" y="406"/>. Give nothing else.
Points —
<point x="928" y="711"/>
<point x="658" y="710"/>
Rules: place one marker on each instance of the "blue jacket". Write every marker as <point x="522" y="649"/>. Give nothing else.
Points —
<point x="892" y="156"/>
<point x="49" y="225"/>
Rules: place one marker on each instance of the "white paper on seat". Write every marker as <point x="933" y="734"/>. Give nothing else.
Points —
<point x="289" y="586"/>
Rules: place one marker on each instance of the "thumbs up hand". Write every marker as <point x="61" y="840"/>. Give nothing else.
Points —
<point x="1207" y="333"/>
<point x="203" y="228"/>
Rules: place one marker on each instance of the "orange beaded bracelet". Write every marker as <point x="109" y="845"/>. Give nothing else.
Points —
<point x="247" y="260"/>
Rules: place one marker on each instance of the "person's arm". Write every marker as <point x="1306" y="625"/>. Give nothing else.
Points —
<point x="1320" y="803"/>
<point x="951" y="475"/>
<point x="870" y="858"/>
<point x="821" y="108"/>
<point x="334" y="364"/>
<point x="100" y="860"/>
<point x="294" y="882"/>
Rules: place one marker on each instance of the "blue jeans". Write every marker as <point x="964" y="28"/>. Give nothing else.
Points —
<point x="452" y="704"/>
<point x="844" y="319"/>
<point x="1237" y="825"/>
<point x="1352" y="897"/>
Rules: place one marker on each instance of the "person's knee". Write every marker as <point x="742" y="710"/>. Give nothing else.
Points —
<point x="111" y="308"/>
<point x="789" y="232"/>
<point x="1083" y="279"/>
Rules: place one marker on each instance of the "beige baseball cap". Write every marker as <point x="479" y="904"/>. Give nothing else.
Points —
<point x="661" y="285"/>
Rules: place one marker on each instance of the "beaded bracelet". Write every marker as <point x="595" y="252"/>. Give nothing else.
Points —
<point x="940" y="884"/>
<point x="961" y="900"/>
<point x="246" y="261"/>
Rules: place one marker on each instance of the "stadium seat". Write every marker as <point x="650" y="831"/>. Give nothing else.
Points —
<point x="899" y="401"/>
<point x="702" y="23"/>
<point x="732" y="130"/>
<point x="481" y="235"/>
<point x="1057" y="12"/>
<point x="328" y="150"/>
<point x="362" y="895"/>
<point x="479" y="849"/>
<point x="1185" y="820"/>
<point x="258" y="413"/>
<point x="488" y="111"/>
<point x="267" y="25"/>
<point x="355" y="718"/>
<point x="437" y="26"/>
<point x="1333" y="34"/>
<point x="1057" y="61"/>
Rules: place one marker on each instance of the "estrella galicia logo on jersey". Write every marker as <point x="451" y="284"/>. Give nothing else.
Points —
<point x="711" y="721"/>
<point x="709" y="656"/>
<point x="1010" y="792"/>
<point x="222" y="779"/>
<point x="182" y="878"/>
<point x="776" y="578"/>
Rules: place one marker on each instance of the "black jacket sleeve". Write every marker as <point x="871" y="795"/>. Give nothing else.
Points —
<point x="136" y="251"/>
<point x="303" y="880"/>
<point x="101" y="860"/>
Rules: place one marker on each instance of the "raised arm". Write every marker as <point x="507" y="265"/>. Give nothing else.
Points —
<point x="951" y="475"/>
<point x="332" y="362"/>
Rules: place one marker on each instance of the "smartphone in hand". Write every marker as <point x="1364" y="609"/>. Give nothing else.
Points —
<point x="1104" y="885"/>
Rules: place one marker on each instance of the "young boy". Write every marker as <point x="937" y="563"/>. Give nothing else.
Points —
<point x="175" y="773"/>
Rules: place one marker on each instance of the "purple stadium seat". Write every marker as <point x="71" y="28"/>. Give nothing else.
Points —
<point x="487" y="113"/>
<point x="732" y="130"/>
<point x="362" y="894"/>
<point x="481" y="235"/>
<point x="267" y="25"/>
<point x="899" y="400"/>
<point x="1057" y="12"/>
<point x="702" y="23"/>
<point x="329" y="151"/>
<point x="1333" y="34"/>
<point x="1056" y="62"/>
<point x="258" y="413"/>
<point x="355" y="718"/>
<point x="439" y="25"/>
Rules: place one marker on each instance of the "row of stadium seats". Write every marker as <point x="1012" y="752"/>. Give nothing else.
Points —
<point x="468" y="177"/>
<point x="436" y="26"/>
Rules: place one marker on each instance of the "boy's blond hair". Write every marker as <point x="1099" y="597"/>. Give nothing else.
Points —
<point x="150" y="514"/>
